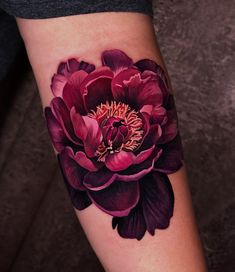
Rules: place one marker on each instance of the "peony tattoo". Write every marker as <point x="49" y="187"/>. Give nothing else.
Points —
<point x="115" y="130"/>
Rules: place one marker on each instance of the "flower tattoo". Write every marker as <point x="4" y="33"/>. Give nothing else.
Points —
<point x="115" y="130"/>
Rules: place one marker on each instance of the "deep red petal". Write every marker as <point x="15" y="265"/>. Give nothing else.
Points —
<point x="157" y="201"/>
<point x="96" y="88"/>
<point x="79" y="126"/>
<point x="119" y="89"/>
<point x="72" y="91"/>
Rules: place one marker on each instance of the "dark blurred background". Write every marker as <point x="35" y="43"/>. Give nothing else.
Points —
<point x="38" y="228"/>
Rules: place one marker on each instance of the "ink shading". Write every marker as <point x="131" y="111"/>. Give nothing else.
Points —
<point x="116" y="133"/>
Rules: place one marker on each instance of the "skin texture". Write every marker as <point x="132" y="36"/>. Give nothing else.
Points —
<point x="52" y="41"/>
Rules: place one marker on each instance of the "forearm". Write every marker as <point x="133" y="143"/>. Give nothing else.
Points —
<point x="174" y="248"/>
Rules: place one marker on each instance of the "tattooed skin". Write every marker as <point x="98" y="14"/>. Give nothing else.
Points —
<point x="115" y="130"/>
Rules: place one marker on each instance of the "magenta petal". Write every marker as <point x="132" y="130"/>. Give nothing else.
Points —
<point x="96" y="88"/>
<point x="143" y="155"/>
<point x="57" y="84"/>
<point x="79" y="126"/>
<point x="94" y="136"/>
<point x="72" y="171"/>
<point x="132" y="226"/>
<point x="116" y="59"/>
<point x="137" y="171"/>
<point x="117" y="199"/>
<point x="159" y="116"/>
<point x="87" y="130"/>
<point x="147" y="109"/>
<point x="119" y="161"/>
<point x="171" y="159"/>
<point x="58" y="137"/>
<point x="157" y="201"/>
<point x="96" y="181"/>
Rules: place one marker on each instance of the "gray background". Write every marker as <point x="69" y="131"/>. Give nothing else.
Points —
<point x="38" y="228"/>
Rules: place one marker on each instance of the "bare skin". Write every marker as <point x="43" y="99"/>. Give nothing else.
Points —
<point x="50" y="41"/>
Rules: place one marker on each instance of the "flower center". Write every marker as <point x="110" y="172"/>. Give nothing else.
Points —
<point x="121" y="128"/>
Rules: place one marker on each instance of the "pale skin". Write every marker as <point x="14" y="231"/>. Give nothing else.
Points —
<point x="50" y="41"/>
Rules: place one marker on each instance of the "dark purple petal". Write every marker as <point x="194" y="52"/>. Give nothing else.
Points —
<point x="154" y="210"/>
<point x="119" y="161"/>
<point x="150" y="65"/>
<point x="96" y="88"/>
<point x="87" y="67"/>
<point x="72" y="93"/>
<point x="132" y="226"/>
<point x="62" y="114"/>
<point x="145" y="127"/>
<point x="79" y="199"/>
<point x="157" y="201"/>
<point x="117" y="60"/>
<point x="96" y="181"/>
<point x="68" y="67"/>
<point x="154" y="134"/>
<point x="170" y="129"/>
<point x="58" y="137"/>
<point x="171" y="158"/>
<point x="117" y="199"/>
<point x="72" y="65"/>
<point x="72" y="171"/>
